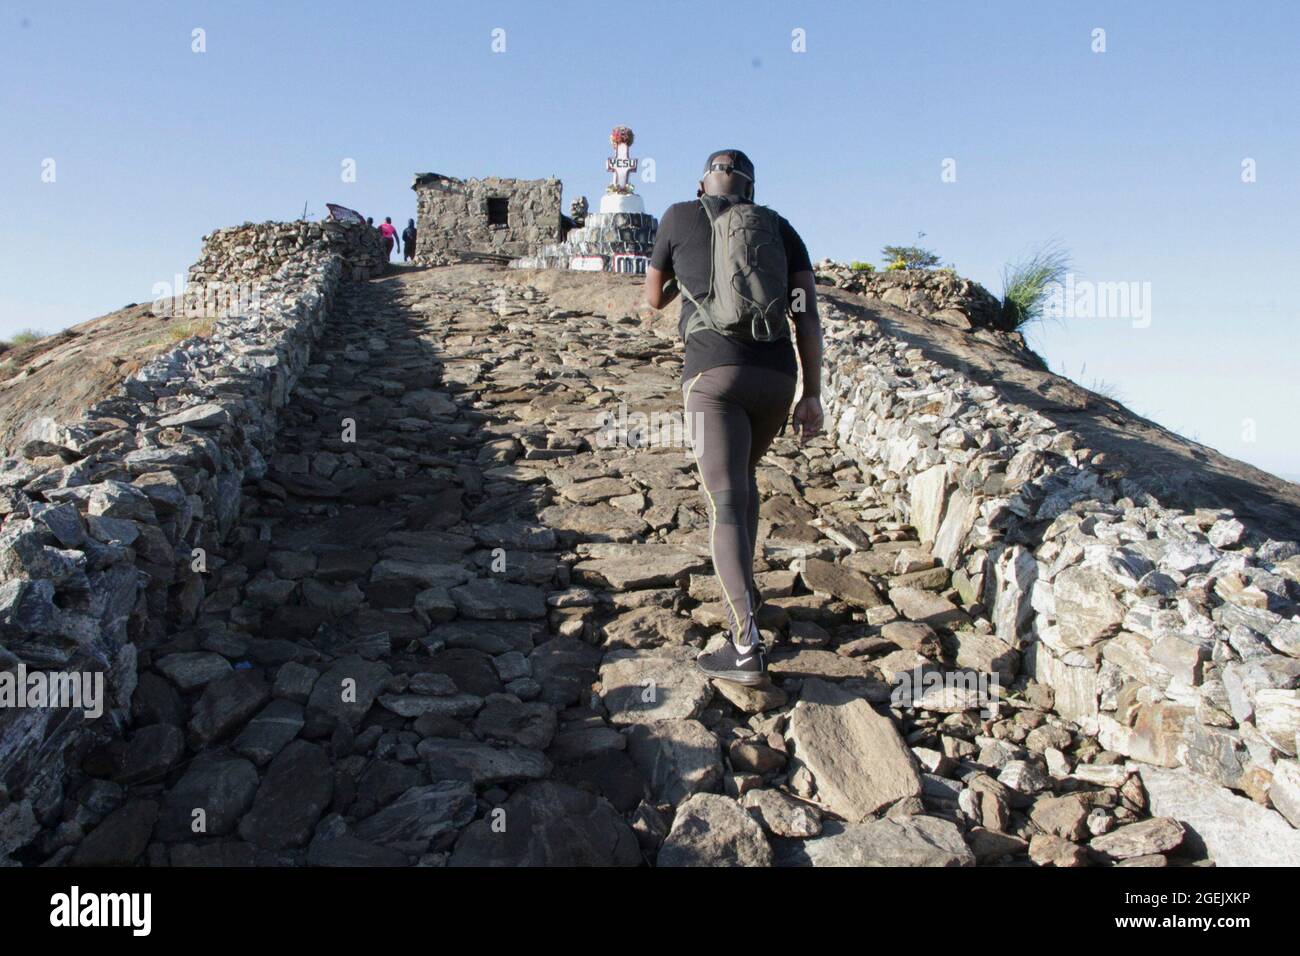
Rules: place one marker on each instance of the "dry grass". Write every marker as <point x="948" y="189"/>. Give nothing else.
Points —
<point x="181" y="331"/>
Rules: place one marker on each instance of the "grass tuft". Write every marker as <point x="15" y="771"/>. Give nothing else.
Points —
<point x="1027" y="283"/>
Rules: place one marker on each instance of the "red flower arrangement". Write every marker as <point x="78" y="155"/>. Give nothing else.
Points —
<point x="620" y="134"/>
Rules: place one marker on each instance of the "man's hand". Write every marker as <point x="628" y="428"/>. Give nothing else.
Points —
<point x="808" y="417"/>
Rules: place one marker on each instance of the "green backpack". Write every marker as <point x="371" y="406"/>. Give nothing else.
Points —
<point x="748" y="274"/>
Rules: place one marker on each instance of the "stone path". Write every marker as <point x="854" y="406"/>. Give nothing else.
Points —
<point x="454" y="627"/>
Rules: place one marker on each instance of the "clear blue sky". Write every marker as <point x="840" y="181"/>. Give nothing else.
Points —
<point x="1131" y="158"/>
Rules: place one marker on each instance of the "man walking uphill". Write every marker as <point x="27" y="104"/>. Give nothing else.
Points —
<point x="744" y="274"/>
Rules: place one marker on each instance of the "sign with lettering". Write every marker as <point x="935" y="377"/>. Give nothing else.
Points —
<point x="620" y="164"/>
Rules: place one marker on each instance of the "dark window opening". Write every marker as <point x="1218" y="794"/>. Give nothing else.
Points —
<point x="498" y="210"/>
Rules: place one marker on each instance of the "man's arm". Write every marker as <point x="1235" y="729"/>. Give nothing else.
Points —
<point x="660" y="287"/>
<point x="660" y="283"/>
<point x="807" y="330"/>
<point x="807" y="416"/>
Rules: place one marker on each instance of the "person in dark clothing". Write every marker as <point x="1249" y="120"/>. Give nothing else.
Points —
<point x="408" y="241"/>
<point x="738" y="393"/>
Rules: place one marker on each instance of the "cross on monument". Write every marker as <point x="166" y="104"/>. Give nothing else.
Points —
<point x="620" y="164"/>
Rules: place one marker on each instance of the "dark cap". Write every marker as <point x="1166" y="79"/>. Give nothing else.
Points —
<point x="738" y="159"/>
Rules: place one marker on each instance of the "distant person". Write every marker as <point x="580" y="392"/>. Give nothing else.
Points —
<point x="408" y="241"/>
<point x="388" y="232"/>
<point x="739" y="376"/>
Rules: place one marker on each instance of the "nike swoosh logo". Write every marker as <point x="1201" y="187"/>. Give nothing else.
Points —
<point x="744" y="660"/>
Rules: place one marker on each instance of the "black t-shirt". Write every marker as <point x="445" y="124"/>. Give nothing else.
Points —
<point x="682" y="248"/>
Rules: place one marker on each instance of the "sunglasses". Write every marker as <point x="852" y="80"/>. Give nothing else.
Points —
<point x="728" y="169"/>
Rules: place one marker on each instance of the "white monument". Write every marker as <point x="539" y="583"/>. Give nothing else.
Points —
<point x="619" y="194"/>
<point x="617" y="238"/>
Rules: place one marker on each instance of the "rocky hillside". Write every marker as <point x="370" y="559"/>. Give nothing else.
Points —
<point x="437" y="589"/>
<point x="63" y="374"/>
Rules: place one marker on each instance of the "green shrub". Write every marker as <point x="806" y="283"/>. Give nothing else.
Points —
<point x="25" y="337"/>
<point x="912" y="257"/>
<point x="897" y="265"/>
<point x="861" y="266"/>
<point x="1027" y="283"/>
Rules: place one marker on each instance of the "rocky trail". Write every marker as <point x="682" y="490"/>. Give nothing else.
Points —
<point x="456" y="626"/>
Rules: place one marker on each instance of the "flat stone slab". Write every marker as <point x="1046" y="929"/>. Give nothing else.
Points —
<point x="905" y="841"/>
<point x="348" y="689"/>
<point x="270" y="731"/>
<point x="190" y="670"/>
<point x="781" y="815"/>
<point x="599" y="522"/>
<point x="856" y="756"/>
<point x="712" y="830"/>
<point x="491" y="637"/>
<point x="1231" y="830"/>
<point x="580" y="743"/>
<point x="487" y="599"/>
<point x="429" y="574"/>
<point x="515" y="535"/>
<point x="917" y="604"/>
<point x="1157" y="835"/>
<point x="565" y="667"/>
<point x="226" y="704"/>
<point x="297" y="788"/>
<point x="221" y="787"/>
<point x="595" y="489"/>
<point x="639" y="566"/>
<point x="120" y="837"/>
<point x="550" y="824"/>
<point x="645" y="685"/>
<point x="206" y="415"/>
<point x="841" y="582"/>
<point x="506" y="719"/>
<point x="676" y="757"/>
<point x="478" y="762"/>
<point x="803" y="662"/>
<point x="420" y="814"/>
<point x="417" y="705"/>
<point x="152" y="751"/>
<point x="648" y="626"/>
<point x="1086" y="608"/>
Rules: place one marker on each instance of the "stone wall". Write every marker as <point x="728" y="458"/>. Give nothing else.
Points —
<point x="110" y="523"/>
<point x="452" y="215"/>
<point x="1173" y="637"/>
<point x="935" y="293"/>
<point x="251" y="252"/>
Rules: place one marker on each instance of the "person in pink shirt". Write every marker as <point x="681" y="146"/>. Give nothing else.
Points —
<point x="389" y="234"/>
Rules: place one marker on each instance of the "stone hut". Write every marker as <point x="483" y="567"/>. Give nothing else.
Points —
<point x="492" y="215"/>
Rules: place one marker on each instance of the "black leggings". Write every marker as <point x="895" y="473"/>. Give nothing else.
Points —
<point x="733" y="412"/>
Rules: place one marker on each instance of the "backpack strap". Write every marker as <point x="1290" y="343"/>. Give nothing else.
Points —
<point x="701" y="318"/>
